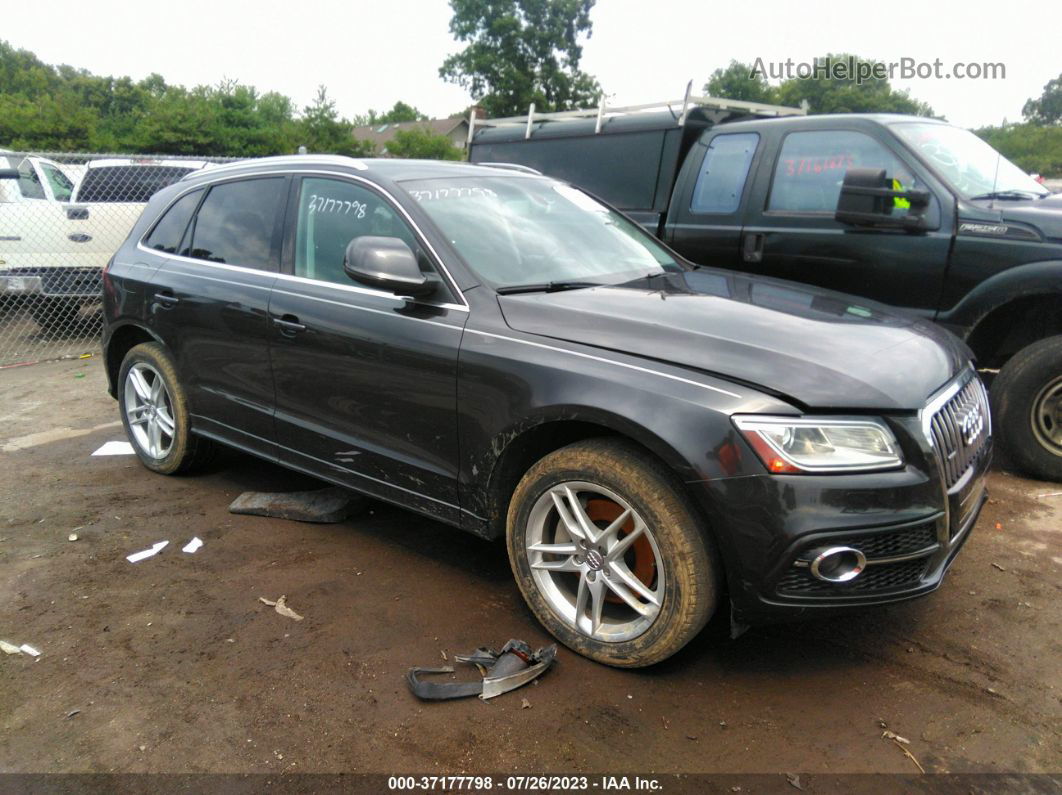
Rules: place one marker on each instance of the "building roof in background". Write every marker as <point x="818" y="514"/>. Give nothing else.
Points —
<point x="380" y="134"/>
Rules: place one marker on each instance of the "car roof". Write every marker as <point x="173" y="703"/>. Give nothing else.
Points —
<point x="825" y="119"/>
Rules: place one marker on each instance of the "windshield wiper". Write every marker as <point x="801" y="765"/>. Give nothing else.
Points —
<point x="1016" y="195"/>
<point x="545" y="287"/>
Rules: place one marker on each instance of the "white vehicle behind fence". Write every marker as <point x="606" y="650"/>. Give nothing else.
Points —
<point x="57" y="235"/>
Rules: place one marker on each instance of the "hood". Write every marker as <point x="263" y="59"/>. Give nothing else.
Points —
<point x="1045" y="214"/>
<point x="820" y="349"/>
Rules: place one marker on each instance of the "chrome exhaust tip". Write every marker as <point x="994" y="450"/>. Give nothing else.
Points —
<point x="837" y="564"/>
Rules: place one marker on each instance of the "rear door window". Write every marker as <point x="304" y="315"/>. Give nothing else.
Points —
<point x="723" y="173"/>
<point x="812" y="165"/>
<point x="332" y="213"/>
<point x="237" y="221"/>
<point x="169" y="231"/>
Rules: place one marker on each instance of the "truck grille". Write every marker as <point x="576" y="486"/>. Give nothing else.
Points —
<point x="960" y="430"/>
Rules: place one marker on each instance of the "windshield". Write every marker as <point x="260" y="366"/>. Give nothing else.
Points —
<point x="971" y="166"/>
<point x="529" y="230"/>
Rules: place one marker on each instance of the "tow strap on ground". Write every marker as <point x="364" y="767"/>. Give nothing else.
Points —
<point x="504" y="670"/>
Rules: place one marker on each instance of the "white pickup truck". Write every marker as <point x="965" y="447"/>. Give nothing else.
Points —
<point x="56" y="236"/>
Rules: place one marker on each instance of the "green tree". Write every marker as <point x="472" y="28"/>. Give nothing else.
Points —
<point x="323" y="130"/>
<point x="399" y="113"/>
<point x="1048" y="108"/>
<point x="1036" y="148"/>
<point x="737" y="81"/>
<point x="521" y="51"/>
<point x="826" y="94"/>
<point x="422" y="143"/>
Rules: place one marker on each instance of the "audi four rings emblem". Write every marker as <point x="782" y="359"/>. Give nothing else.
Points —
<point x="973" y="422"/>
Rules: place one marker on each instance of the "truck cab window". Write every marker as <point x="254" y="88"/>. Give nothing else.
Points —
<point x="29" y="182"/>
<point x="812" y="165"/>
<point x="723" y="172"/>
<point x="62" y="187"/>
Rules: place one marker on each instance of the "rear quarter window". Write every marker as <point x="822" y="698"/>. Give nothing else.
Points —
<point x="723" y="172"/>
<point x="169" y="231"/>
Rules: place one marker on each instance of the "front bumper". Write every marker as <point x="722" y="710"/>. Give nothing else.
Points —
<point x="909" y="524"/>
<point x="51" y="282"/>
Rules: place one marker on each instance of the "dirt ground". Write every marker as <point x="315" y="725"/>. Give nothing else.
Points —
<point x="173" y="664"/>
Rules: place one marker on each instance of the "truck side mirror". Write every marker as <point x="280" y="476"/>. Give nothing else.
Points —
<point x="9" y="173"/>
<point x="867" y="199"/>
<point x="386" y="263"/>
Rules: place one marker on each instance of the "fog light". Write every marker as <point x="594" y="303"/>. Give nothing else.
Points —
<point x="837" y="564"/>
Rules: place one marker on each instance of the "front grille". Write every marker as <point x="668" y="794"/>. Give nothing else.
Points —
<point x="891" y="544"/>
<point x="885" y="577"/>
<point x="960" y="430"/>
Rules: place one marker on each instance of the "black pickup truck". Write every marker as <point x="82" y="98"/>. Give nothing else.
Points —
<point x="904" y="210"/>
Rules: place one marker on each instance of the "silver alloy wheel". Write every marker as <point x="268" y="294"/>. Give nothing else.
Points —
<point x="149" y="410"/>
<point x="582" y="567"/>
<point x="1047" y="416"/>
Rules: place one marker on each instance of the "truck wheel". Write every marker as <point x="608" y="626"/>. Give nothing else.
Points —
<point x="66" y="315"/>
<point x="154" y="408"/>
<point x="1027" y="408"/>
<point x="610" y="555"/>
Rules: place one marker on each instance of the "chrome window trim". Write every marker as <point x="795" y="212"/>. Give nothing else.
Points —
<point x="388" y="196"/>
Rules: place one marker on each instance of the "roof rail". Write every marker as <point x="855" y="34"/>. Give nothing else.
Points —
<point x="604" y="112"/>
<point x="513" y="167"/>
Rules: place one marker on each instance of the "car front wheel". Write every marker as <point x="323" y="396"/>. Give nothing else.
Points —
<point x="610" y="555"/>
<point x="154" y="408"/>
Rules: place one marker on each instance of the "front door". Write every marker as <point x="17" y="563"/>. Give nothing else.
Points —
<point x="366" y="381"/>
<point x="791" y="232"/>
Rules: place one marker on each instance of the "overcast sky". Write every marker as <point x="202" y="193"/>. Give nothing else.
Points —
<point x="370" y="54"/>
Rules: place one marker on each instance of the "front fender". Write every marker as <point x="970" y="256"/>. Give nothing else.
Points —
<point x="1023" y="281"/>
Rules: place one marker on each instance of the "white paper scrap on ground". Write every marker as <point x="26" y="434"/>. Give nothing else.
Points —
<point x="136" y="557"/>
<point x="115" y="448"/>
<point x="9" y="648"/>
<point x="192" y="545"/>
<point x="32" y="652"/>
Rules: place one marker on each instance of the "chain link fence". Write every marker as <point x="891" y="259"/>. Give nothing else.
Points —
<point x="62" y="216"/>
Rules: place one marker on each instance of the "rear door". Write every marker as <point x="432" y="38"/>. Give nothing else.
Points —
<point x="791" y="233"/>
<point x="710" y="197"/>
<point x="366" y="381"/>
<point x="209" y="303"/>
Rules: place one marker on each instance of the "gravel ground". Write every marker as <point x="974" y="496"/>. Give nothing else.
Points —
<point x="173" y="664"/>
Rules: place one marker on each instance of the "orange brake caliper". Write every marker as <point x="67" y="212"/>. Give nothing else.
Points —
<point x="604" y="512"/>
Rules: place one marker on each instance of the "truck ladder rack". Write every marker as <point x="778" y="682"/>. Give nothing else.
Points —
<point x="603" y="112"/>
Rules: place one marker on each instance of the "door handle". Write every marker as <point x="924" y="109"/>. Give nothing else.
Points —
<point x="167" y="299"/>
<point x="752" y="247"/>
<point x="289" y="324"/>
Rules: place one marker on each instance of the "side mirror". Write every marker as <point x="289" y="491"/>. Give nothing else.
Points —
<point x="867" y="199"/>
<point x="9" y="173"/>
<point x="387" y="263"/>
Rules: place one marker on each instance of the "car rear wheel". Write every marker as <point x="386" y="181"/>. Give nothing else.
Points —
<point x="1027" y="408"/>
<point x="154" y="408"/>
<point x="610" y="555"/>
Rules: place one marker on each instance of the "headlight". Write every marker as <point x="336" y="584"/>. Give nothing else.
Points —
<point x="788" y="444"/>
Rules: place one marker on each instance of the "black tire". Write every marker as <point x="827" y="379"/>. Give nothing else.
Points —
<point x="1024" y="423"/>
<point x="186" y="451"/>
<point x="686" y="553"/>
